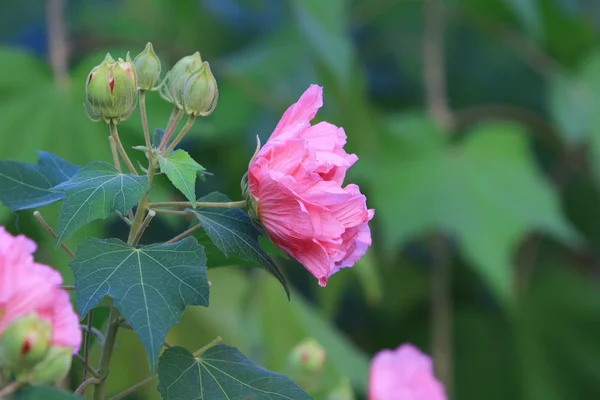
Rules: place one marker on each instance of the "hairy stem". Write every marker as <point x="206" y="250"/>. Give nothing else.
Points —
<point x="115" y="135"/>
<point x="107" y="352"/>
<point x="133" y="388"/>
<point x="188" y="125"/>
<point x="145" y="120"/>
<point x="187" y="204"/>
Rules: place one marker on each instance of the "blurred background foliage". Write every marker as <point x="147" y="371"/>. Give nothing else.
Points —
<point x="485" y="183"/>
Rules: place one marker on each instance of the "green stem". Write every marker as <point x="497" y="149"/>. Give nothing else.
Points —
<point x="143" y="226"/>
<point x="107" y="352"/>
<point x="86" y="346"/>
<point x="145" y="120"/>
<point x="114" y="133"/>
<point x="202" y="349"/>
<point x="187" y="204"/>
<point x="176" y="116"/>
<point x="133" y="388"/>
<point x="174" y="212"/>
<point x="188" y="125"/>
<point x="184" y="234"/>
<point x="142" y="207"/>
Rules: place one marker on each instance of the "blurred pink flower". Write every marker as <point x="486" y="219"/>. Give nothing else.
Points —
<point x="404" y="374"/>
<point x="296" y="180"/>
<point x="26" y="286"/>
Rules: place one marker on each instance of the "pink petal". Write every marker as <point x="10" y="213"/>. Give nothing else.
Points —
<point x="404" y="374"/>
<point x="297" y="118"/>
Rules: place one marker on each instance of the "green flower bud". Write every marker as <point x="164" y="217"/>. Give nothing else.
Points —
<point x="25" y="342"/>
<point x="201" y="92"/>
<point x="52" y="369"/>
<point x="147" y="68"/>
<point x="111" y="90"/>
<point x="174" y="84"/>
<point x="306" y="364"/>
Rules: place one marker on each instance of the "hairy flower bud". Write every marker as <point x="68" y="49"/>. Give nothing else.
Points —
<point x="201" y="92"/>
<point x="53" y="368"/>
<point x="111" y="90"/>
<point x="190" y="86"/>
<point x="147" y="68"/>
<point x="25" y="342"/>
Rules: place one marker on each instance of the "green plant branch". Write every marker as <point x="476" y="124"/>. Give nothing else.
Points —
<point x="187" y="204"/>
<point x="174" y="212"/>
<point x="91" y="370"/>
<point x="133" y="388"/>
<point x="86" y="346"/>
<point x="188" y="125"/>
<point x="145" y="121"/>
<point x="85" y="384"/>
<point x="143" y="226"/>
<point x="176" y="116"/>
<point x="185" y="234"/>
<point x="115" y="135"/>
<point x="49" y="229"/>
<point x="207" y="346"/>
<point x="142" y="206"/>
<point x="107" y="351"/>
<point x="115" y="153"/>
<point x="68" y="287"/>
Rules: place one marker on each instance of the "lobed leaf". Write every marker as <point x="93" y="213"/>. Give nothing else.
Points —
<point x="150" y="286"/>
<point x="222" y="372"/>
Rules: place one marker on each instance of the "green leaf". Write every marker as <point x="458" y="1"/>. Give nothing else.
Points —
<point x="432" y="184"/>
<point x="94" y="192"/>
<point x="182" y="170"/>
<point x="25" y="185"/>
<point x="222" y="372"/>
<point x="150" y="286"/>
<point x="231" y="230"/>
<point x="325" y="24"/>
<point x="44" y="392"/>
